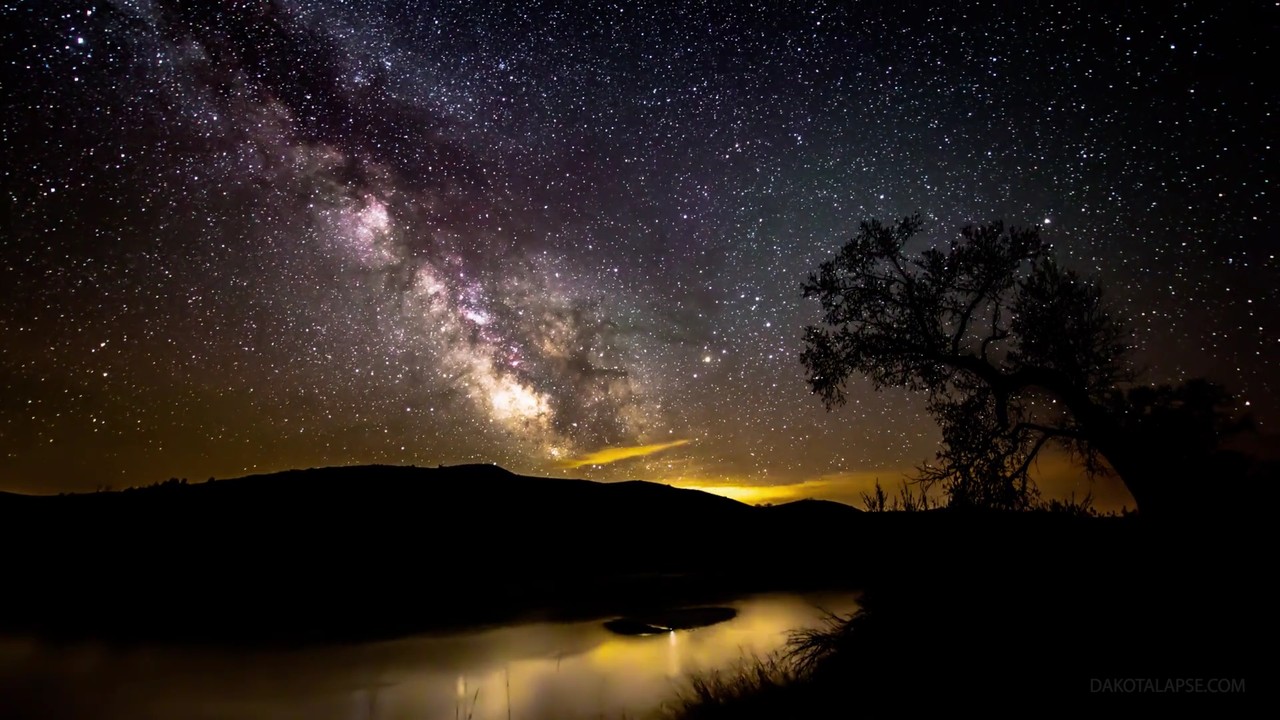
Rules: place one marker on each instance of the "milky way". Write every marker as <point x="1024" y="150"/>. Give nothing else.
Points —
<point x="243" y="236"/>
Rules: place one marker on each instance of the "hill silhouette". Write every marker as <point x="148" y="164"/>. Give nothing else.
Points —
<point x="354" y="552"/>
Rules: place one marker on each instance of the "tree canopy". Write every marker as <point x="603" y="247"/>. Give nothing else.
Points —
<point x="1013" y="351"/>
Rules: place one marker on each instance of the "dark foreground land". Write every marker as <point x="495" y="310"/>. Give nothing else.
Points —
<point x="961" y="608"/>
<point x="1029" y="616"/>
<point x="356" y="553"/>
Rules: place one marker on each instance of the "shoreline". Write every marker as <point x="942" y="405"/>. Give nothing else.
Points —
<point x="251" y="635"/>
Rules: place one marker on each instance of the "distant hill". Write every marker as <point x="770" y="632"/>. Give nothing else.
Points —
<point x="376" y="550"/>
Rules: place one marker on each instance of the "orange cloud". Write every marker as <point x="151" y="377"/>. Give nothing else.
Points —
<point x="612" y="455"/>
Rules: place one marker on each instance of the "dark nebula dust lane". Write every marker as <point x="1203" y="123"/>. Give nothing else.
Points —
<point x="248" y="235"/>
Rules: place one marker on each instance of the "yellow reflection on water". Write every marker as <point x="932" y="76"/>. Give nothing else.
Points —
<point x="632" y="675"/>
<point x="673" y="654"/>
<point x="534" y="671"/>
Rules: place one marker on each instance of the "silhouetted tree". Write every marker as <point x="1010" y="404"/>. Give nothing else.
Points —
<point x="1013" y="351"/>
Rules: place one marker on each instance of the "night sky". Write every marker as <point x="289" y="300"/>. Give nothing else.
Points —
<point x="248" y="236"/>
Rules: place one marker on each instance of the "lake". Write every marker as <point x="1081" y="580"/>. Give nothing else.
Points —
<point x="529" y="671"/>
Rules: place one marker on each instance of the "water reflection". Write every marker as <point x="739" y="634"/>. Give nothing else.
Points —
<point x="524" y="672"/>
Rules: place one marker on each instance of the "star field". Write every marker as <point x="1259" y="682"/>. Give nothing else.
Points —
<point x="250" y="235"/>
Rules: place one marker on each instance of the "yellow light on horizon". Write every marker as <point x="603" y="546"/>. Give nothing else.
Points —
<point x="749" y="494"/>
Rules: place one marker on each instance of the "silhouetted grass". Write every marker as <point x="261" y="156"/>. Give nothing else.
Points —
<point x="753" y="687"/>
<point x="466" y="711"/>
<point x="813" y="646"/>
